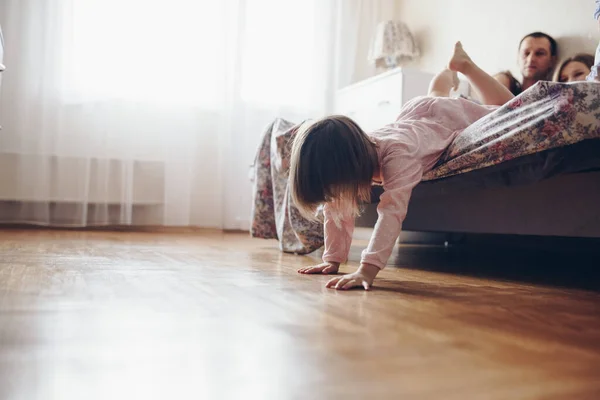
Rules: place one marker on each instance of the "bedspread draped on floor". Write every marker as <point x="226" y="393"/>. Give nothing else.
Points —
<point x="546" y="116"/>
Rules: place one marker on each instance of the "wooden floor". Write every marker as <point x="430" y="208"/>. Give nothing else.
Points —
<point x="96" y="315"/>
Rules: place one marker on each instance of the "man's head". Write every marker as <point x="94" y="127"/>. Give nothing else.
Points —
<point x="537" y="56"/>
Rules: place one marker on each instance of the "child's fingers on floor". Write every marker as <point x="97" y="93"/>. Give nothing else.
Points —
<point x="343" y="282"/>
<point x="332" y="282"/>
<point x="352" y="283"/>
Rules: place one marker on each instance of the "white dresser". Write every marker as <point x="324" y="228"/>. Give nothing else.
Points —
<point x="376" y="101"/>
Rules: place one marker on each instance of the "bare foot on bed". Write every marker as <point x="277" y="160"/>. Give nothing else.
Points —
<point x="460" y="61"/>
<point x="491" y="92"/>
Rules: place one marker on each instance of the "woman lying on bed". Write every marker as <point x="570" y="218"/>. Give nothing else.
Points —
<point x="575" y="69"/>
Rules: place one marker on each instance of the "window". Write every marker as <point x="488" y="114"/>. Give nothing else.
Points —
<point x="144" y="50"/>
<point x="182" y="51"/>
<point x="281" y="59"/>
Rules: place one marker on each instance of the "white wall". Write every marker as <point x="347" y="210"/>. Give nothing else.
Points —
<point x="491" y="30"/>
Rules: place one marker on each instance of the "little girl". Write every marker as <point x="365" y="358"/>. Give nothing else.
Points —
<point x="335" y="162"/>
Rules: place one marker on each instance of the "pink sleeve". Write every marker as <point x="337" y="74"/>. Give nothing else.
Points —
<point x="337" y="239"/>
<point x="403" y="175"/>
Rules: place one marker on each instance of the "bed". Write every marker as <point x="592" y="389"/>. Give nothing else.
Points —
<point x="554" y="193"/>
<point x="532" y="167"/>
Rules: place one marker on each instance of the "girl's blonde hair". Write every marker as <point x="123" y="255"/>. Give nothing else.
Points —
<point x="332" y="161"/>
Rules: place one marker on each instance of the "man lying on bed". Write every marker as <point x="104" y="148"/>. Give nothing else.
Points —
<point x="537" y="58"/>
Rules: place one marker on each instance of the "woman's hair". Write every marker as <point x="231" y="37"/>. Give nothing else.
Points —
<point x="333" y="161"/>
<point x="583" y="58"/>
<point x="515" y="85"/>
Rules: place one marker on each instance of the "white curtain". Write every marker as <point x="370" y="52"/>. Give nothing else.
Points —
<point x="143" y="112"/>
<point x="357" y="22"/>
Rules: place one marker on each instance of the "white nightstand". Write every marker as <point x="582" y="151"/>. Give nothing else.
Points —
<point x="377" y="101"/>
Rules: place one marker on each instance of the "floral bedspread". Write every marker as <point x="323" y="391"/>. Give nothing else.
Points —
<point x="546" y="116"/>
<point x="274" y="215"/>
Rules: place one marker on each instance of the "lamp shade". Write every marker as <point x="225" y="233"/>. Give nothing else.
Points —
<point x="392" y="44"/>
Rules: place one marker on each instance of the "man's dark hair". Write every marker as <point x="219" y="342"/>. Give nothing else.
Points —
<point x="536" y="35"/>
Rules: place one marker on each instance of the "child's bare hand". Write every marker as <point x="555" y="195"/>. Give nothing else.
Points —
<point x="325" y="268"/>
<point x="364" y="277"/>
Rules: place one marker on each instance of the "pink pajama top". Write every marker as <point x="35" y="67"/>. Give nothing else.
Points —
<point x="407" y="149"/>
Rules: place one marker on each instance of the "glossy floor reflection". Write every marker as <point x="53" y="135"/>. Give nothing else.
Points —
<point x="208" y="315"/>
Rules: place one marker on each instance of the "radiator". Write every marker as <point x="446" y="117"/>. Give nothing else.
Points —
<point x="74" y="180"/>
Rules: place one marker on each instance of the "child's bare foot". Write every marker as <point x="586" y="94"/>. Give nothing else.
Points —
<point x="460" y="61"/>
